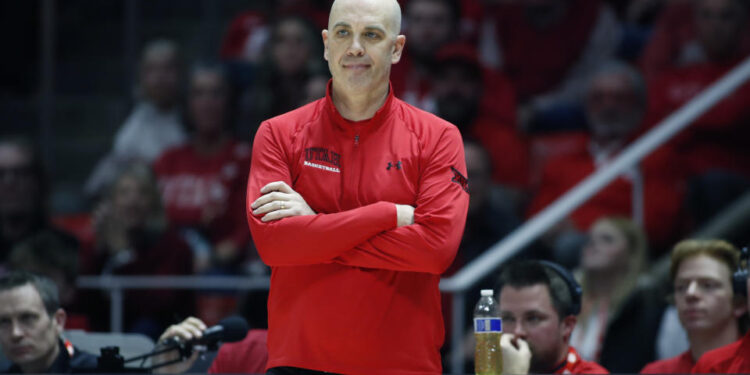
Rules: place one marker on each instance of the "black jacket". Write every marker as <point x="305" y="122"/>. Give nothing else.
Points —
<point x="64" y="363"/>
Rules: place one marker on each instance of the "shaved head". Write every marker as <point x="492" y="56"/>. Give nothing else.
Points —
<point x="389" y="9"/>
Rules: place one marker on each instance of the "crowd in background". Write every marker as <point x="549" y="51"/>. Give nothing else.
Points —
<point x="545" y="92"/>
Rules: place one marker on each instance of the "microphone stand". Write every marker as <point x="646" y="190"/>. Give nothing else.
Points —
<point x="110" y="360"/>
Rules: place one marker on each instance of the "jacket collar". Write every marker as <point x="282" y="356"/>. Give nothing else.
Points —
<point x="348" y="125"/>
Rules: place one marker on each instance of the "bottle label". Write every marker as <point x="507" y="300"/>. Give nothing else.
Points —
<point x="488" y="325"/>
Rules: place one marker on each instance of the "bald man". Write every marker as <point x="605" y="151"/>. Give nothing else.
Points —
<point x="357" y="201"/>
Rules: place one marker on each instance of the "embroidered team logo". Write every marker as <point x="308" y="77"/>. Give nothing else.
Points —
<point x="322" y="158"/>
<point x="460" y="179"/>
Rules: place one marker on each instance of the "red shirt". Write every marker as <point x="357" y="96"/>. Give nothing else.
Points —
<point x="719" y="138"/>
<point x="661" y="189"/>
<point x="681" y="364"/>
<point x="542" y="67"/>
<point x="248" y="356"/>
<point x="729" y="359"/>
<point x="574" y="364"/>
<point x="351" y="292"/>
<point x="206" y="191"/>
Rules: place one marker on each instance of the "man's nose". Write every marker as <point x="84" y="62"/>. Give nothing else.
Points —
<point x="692" y="289"/>
<point x="356" y="48"/>
<point x="518" y="330"/>
<point x="16" y="331"/>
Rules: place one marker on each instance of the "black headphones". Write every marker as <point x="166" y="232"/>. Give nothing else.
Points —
<point x="740" y="276"/>
<point x="573" y="287"/>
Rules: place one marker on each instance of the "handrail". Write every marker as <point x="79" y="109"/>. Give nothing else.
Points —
<point x="536" y="226"/>
<point x="116" y="284"/>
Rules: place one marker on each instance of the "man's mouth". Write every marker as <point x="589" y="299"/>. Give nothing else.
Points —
<point x="356" y="67"/>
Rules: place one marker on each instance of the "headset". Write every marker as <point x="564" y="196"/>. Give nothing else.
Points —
<point x="740" y="276"/>
<point x="576" y="292"/>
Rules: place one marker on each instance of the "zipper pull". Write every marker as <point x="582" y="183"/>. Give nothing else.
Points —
<point x="356" y="139"/>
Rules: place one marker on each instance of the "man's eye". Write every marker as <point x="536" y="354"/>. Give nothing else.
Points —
<point x="28" y="318"/>
<point x="371" y="35"/>
<point x="342" y="32"/>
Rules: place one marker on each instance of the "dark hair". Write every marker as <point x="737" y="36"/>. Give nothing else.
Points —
<point x="527" y="273"/>
<point x="45" y="287"/>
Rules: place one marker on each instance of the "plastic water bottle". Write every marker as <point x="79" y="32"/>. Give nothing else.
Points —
<point x="488" y="356"/>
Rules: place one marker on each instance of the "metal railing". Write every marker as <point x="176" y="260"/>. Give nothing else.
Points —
<point x="117" y="284"/>
<point x="468" y="276"/>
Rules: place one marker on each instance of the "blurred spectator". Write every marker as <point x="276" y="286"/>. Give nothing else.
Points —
<point x="428" y="25"/>
<point x="620" y="314"/>
<point x="291" y="59"/>
<point x="154" y="124"/>
<point x="23" y="206"/>
<point x="709" y="310"/>
<point x="548" y="49"/>
<point x="248" y="33"/>
<point x="133" y="238"/>
<point x="203" y="181"/>
<point x="482" y="105"/>
<point x="615" y="104"/>
<point x="245" y="37"/>
<point x="48" y="255"/>
<point x="713" y="150"/>
<point x="697" y="31"/>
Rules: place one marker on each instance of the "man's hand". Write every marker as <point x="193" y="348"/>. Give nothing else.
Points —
<point x="516" y="354"/>
<point x="405" y="214"/>
<point x="279" y="201"/>
<point x="189" y="329"/>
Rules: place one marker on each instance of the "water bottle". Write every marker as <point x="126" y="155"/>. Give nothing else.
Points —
<point x="488" y="356"/>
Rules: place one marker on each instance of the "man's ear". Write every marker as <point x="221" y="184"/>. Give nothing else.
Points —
<point x="324" y="34"/>
<point x="567" y="325"/>
<point x="59" y="318"/>
<point x="398" y="49"/>
<point x="740" y="306"/>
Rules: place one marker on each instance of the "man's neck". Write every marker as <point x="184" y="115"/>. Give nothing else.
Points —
<point x="361" y="105"/>
<point x="43" y="364"/>
<point x="709" y="339"/>
<point x="561" y="361"/>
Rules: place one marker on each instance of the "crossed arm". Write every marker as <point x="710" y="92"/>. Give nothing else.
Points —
<point x="381" y="235"/>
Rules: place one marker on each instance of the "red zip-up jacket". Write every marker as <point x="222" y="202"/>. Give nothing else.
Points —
<point x="351" y="292"/>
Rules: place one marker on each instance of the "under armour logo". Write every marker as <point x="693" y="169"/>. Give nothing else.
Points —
<point x="397" y="165"/>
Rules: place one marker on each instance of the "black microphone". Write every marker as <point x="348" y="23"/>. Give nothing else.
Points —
<point x="230" y="329"/>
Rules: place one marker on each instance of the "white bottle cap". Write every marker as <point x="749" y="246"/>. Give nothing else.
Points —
<point x="487" y="292"/>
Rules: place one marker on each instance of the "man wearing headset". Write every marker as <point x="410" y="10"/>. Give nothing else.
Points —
<point x="539" y="302"/>
<point x="708" y="307"/>
<point x="735" y="357"/>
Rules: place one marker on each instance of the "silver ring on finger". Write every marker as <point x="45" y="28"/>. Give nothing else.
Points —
<point x="283" y="206"/>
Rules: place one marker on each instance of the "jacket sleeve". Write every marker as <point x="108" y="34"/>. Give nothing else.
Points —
<point x="430" y="244"/>
<point x="311" y="239"/>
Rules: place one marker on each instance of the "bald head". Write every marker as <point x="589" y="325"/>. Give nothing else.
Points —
<point x="388" y="10"/>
